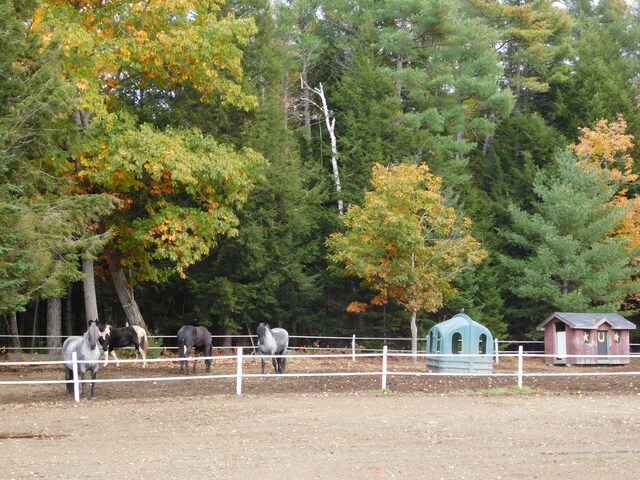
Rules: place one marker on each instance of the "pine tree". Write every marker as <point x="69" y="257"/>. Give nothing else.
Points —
<point x="565" y="254"/>
<point x="43" y="219"/>
<point x="602" y="81"/>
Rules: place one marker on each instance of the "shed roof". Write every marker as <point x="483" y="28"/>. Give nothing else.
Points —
<point x="589" y="321"/>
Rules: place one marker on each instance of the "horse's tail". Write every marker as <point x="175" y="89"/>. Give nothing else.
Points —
<point x="182" y="347"/>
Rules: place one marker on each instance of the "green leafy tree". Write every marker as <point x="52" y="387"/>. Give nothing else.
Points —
<point x="566" y="254"/>
<point x="270" y="269"/>
<point x="405" y="243"/>
<point x="179" y="189"/>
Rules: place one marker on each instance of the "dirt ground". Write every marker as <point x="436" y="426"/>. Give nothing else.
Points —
<point x="323" y="427"/>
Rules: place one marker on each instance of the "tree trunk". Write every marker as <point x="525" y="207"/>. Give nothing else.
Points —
<point x="414" y="337"/>
<point x="13" y="331"/>
<point x="54" y="324"/>
<point x="125" y="293"/>
<point x="89" y="286"/>
<point x="34" y="324"/>
<point x="68" y="316"/>
<point x="331" y="127"/>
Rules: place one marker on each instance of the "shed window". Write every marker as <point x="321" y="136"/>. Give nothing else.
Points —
<point x="456" y="343"/>
<point x="438" y="341"/>
<point x="482" y="344"/>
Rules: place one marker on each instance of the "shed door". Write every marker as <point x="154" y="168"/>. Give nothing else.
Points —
<point x="603" y="345"/>
<point x="561" y="340"/>
<point x="561" y="345"/>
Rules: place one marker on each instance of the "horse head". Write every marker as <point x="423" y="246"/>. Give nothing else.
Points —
<point x="93" y="333"/>
<point x="262" y="329"/>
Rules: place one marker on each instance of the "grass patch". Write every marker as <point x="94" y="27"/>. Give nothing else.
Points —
<point x="501" y="391"/>
<point x="386" y="391"/>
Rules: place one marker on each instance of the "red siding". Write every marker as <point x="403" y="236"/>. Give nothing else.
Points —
<point x="577" y="346"/>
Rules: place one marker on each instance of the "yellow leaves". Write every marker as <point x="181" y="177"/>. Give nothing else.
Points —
<point x="82" y="84"/>
<point x="167" y="231"/>
<point x="605" y="146"/>
<point x="140" y="36"/>
<point x="404" y="242"/>
<point x="124" y="52"/>
<point x="162" y="44"/>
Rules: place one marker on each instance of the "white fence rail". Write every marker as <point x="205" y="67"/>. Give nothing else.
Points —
<point x="383" y="373"/>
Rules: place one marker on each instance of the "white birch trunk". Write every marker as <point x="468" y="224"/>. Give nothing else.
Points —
<point x="331" y="127"/>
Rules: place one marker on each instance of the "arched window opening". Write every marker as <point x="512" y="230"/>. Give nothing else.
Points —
<point x="482" y="344"/>
<point x="456" y="343"/>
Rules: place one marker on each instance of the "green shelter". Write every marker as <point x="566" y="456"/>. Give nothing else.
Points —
<point x="460" y="345"/>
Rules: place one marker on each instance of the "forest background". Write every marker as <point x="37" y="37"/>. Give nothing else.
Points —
<point x="328" y="166"/>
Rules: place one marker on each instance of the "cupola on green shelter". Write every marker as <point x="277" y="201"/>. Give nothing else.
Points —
<point x="460" y="345"/>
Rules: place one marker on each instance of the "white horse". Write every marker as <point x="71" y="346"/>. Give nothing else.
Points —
<point x="88" y="353"/>
<point x="273" y="342"/>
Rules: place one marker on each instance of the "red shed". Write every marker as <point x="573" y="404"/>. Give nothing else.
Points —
<point x="602" y="336"/>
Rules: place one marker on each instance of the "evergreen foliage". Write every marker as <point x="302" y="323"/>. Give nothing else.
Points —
<point x="565" y="254"/>
<point x="179" y="143"/>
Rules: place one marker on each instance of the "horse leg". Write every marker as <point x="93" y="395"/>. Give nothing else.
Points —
<point x="68" y="374"/>
<point x="93" y="383"/>
<point x="274" y="361"/>
<point x="113" y="352"/>
<point x="184" y="364"/>
<point x="83" y="392"/>
<point x="144" y="357"/>
<point x="281" y="363"/>
<point x="263" y="364"/>
<point x="194" y="364"/>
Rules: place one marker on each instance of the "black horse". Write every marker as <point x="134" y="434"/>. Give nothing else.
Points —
<point x="199" y="338"/>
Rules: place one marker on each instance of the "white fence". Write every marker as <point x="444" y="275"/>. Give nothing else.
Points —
<point x="383" y="373"/>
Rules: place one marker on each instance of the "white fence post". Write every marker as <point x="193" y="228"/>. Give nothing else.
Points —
<point x="76" y="384"/>
<point x="239" y="373"/>
<point x="353" y="348"/>
<point x="495" y="348"/>
<point x="520" y="359"/>
<point x="384" y="367"/>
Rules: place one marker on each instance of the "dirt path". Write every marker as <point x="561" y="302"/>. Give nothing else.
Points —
<point x="316" y="436"/>
<point x="574" y="428"/>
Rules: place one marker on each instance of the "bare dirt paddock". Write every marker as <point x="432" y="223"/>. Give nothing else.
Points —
<point x="321" y="428"/>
